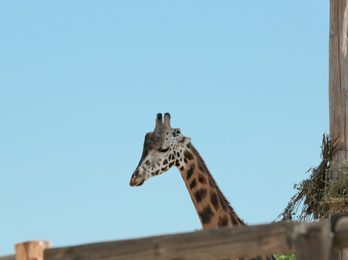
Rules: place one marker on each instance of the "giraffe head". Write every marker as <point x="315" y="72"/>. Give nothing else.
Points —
<point x="163" y="148"/>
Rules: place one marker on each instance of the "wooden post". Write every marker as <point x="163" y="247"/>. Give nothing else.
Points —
<point x="313" y="241"/>
<point x="338" y="76"/>
<point x="338" y="83"/>
<point x="340" y="228"/>
<point x="33" y="250"/>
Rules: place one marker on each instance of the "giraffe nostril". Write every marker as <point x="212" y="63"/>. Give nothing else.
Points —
<point x="135" y="182"/>
<point x="136" y="173"/>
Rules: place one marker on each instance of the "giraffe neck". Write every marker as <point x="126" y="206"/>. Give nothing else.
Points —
<point x="211" y="205"/>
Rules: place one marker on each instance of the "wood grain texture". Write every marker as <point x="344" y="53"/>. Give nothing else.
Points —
<point x="32" y="250"/>
<point x="8" y="257"/>
<point x="338" y="83"/>
<point x="338" y="76"/>
<point x="320" y="241"/>
<point x="220" y="243"/>
<point x="341" y="233"/>
<point x="313" y="241"/>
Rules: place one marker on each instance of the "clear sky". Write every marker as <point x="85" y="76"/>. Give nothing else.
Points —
<point x="81" y="83"/>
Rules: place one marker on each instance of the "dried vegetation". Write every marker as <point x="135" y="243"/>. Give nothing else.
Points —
<point x="320" y="197"/>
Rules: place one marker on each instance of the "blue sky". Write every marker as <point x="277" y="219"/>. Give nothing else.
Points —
<point x="82" y="81"/>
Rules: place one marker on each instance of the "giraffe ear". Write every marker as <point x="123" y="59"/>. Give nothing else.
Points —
<point x="184" y="141"/>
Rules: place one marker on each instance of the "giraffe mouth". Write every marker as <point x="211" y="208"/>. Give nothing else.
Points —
<point x="134" y="183"/>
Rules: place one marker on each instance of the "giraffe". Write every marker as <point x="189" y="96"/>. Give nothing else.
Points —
<point x="166" y="147"/>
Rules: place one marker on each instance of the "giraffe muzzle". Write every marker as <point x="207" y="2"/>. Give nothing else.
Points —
<point x="134" y="182"/>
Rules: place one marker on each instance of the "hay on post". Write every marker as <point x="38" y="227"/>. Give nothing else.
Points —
<point x="315" y="196"/>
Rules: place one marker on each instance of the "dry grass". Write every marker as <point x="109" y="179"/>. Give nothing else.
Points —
<point x="317" y="197"/>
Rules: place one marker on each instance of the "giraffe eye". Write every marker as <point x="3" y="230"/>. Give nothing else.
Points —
<point x="163" y="150"/>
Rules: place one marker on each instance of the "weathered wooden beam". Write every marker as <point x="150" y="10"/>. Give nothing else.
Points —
<point x="338" y="86"/>
<point x="8" y="257"/>
<point x="341" y="233"/>
<point x="306" y="240"/>
<point x="220" y="243"/>
<point x="32" y="250"/>
<point x="338" y="76"/>
<point x="313" y="241"/>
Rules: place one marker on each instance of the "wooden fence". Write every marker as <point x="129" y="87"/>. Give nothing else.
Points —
<point x="320" y="241"/>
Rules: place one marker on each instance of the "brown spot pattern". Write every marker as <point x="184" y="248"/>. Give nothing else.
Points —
<point x="214" y="200"/>
<point x="200" y="166"/>
<point x="206" y="215"/>
<point x="222" y="203"/>
<point x="193" y="184"/>
<point x="223" y="221"/>
<point x="200" y="195"/>
<point x="202" y="179"/>
<point x="190" y="171"/>
<point x="177" y="163"/>
<point x="188" y="155"/>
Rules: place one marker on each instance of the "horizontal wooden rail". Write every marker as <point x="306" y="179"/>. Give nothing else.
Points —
<point x="319" y="240"/>
<point x="210" y="244"/>
<point x="8" y="257"/>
